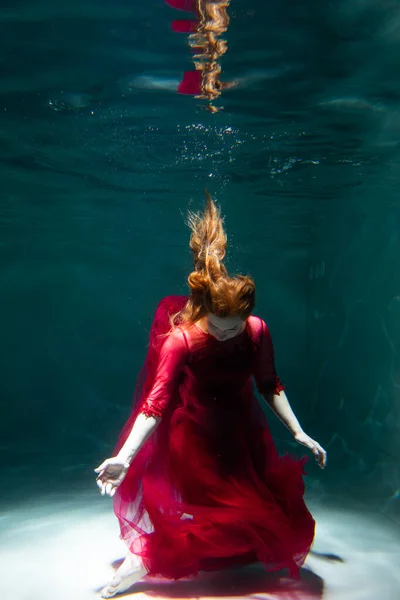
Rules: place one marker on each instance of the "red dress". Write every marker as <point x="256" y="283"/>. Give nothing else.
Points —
<point x="208" y="490"/>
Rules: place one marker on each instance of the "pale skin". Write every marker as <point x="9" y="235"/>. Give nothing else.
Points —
<point x="112" y="471"/>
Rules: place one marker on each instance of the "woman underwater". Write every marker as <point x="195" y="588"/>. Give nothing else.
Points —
<point x="197" y="482"/>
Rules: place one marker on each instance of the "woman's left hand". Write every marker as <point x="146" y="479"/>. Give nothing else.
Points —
<point x="316" y="449"/>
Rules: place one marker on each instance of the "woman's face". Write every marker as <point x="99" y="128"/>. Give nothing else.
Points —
<point x="224" y="328"/>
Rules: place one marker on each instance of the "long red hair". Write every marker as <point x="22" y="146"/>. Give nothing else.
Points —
<point x="212" y="290"/>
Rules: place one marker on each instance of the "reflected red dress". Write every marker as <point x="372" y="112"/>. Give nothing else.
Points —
<point x="208" y="490"/>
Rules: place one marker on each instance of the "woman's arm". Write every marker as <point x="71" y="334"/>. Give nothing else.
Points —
<point x="112" y="471"/>
<point x="172" y="357"/>
<point x="142" y="429"/>
<point x="279" y="403"/>
<point x="272" y="390"/>
<point x="281" y="407"/>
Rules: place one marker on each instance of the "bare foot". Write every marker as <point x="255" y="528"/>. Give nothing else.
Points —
<point x="131" y="571"/>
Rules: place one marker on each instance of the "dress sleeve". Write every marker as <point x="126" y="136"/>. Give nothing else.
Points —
<point x="265" y="375"/>
<point x="172" y="357"/>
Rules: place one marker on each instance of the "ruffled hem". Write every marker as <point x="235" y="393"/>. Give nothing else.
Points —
<point x="155" y="412"/>
<point x="279" y="387"/>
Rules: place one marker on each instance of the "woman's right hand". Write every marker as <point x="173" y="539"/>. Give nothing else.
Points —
<point x="111" y="474"/>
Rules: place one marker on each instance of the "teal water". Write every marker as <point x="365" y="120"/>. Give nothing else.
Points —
<point x="99" y="161"/>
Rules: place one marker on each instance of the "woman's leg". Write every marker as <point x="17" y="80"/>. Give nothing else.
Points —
<point x="131" y="571"/>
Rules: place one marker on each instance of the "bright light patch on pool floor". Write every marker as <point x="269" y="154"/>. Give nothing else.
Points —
<point x="65" y="550"/>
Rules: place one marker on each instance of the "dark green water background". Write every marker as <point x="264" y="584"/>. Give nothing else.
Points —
<point x="98" y="166"/>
